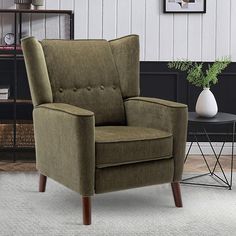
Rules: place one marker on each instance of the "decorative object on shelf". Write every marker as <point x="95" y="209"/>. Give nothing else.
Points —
<point x="184" y="6"/>
<point x="4" y="92"/>
<point x="206" y="105"/>
<point x="23" y="4"/>
<point x="37" y="4"/>
<point x="9" y="39"/>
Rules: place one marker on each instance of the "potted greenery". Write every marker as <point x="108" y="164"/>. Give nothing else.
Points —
<point x="200" y="76"/>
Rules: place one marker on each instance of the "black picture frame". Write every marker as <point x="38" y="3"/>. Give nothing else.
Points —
<point x="186" y="11"/>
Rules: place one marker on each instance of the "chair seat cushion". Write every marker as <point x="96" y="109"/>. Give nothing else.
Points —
<point x="119" y="145"/>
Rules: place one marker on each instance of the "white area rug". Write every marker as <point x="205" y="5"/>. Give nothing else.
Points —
<point x="143" y="211"/>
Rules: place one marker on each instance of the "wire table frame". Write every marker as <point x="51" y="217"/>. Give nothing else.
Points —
<point x="200" y="124"/>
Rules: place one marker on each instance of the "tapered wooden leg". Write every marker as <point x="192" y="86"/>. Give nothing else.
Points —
<point x="42" y="182"/>
<point x="86" y="202"/>
<point x="177" y="194"/>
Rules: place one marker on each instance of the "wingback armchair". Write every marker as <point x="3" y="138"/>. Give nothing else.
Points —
<point x="93" y="132"/>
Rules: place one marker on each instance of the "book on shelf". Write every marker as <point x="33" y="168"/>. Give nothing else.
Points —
<point x="7" y="47"/>
<point x="4" y="92"/>
<point x="4" y="89"/>
<point x="3" y="96"/>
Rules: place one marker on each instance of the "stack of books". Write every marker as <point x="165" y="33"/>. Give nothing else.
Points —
<point x="4" y="93"/>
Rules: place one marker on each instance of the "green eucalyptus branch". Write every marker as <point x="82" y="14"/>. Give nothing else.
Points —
<point x="199" y="76"/>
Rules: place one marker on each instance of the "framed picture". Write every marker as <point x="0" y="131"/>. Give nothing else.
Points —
<point x="184" y="6"/>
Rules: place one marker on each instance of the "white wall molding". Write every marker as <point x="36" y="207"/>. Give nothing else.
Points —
<point x="163" y="37"/>
<point x="207" y="149"/>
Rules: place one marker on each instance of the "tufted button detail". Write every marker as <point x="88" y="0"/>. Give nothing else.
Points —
<point x="102" y="87"/>
<point x="74" y="89"/>
<point x="89" y="88"/>
<point x="114" y="87"/>
<point x="60" y="90"/>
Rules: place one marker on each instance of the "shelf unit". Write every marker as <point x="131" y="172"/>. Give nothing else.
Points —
<point x="12" y="56"/>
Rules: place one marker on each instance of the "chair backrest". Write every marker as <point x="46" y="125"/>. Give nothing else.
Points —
<point x="92" y="74"/>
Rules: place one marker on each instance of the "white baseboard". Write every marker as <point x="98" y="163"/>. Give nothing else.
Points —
<point x="207" y="149"/>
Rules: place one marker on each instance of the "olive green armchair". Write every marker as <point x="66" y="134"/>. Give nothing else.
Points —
<point x="93" y="132"/>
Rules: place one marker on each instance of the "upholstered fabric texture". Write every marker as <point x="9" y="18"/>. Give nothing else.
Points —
<point x="165" y="115"/>
<point x="126" y="54"/>
<point x="64" y="136"/>
<point x="134" y="175"/>
<point x="96" y="77"/>
<point x="37" y="72"/>
<point x="119" y="145"/>
<point x="93" y="132"/>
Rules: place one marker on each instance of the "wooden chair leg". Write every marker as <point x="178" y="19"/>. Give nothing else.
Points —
<point x="86" y="202"/>
<point x="42" y="182"/>
<point x="177" y="194"/>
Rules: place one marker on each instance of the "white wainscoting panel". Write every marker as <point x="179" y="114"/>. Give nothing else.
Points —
<point x="223" y="28"/>
<point x="180" y="45"/>
<point x="95" y="22"/>
<point x="163" y="37"/>
<point x="52" y="20"/>
<point x="209" y="32"/>
<point x="81" y="19"/>
<point x="38" y="26"/>
<point x="166" y="45"/>
<point x="7" y="19"/>
<point x="64" y="19"/>
<point x="139" y="23"/>
<point x="124" y="17"/>
<point x="109" y="19"/>
<point x="152" y="30"/>
<point x="194" y="37"/>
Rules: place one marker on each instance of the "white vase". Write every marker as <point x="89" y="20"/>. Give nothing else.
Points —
<point x="206" y="105"/>
<point x="38" y="4"/>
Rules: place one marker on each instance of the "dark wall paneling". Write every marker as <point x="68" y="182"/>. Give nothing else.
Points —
<point x="158" y="81"/>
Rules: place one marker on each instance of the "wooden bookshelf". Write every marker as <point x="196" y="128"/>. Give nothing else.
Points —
<point x="31" y="11"/>
<point x="15" y="135"/>
<point x="18" y="101"/>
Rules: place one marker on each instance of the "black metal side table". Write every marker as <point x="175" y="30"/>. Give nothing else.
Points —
<point x="200" y="123"/>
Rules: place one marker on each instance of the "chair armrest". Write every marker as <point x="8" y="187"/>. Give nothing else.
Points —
<point x="65" y="145"/>
<point x="164" y="115"/>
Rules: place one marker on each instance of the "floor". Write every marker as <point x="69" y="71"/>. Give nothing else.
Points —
<point x="193" y="164"/>
<point x="213" y="211"/>
<point x="17" y="166"/>
<point x="148" y="211"/>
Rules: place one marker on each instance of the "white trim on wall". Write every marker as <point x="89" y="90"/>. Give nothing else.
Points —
<point x="207" y="149"/>
<point x="163" y="37"/>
